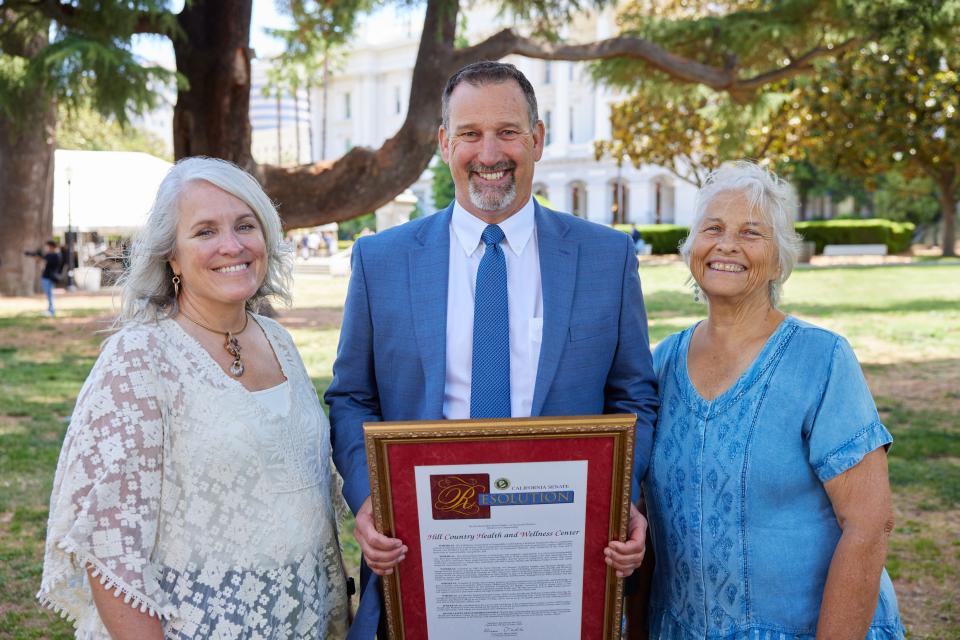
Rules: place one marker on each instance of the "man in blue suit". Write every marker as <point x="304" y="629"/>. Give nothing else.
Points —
<point x="493" y="307"/>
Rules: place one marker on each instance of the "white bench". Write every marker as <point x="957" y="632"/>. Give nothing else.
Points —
<point x="855" y="250"/>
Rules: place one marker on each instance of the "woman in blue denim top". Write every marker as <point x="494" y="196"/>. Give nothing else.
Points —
<point x="767" y="494"/>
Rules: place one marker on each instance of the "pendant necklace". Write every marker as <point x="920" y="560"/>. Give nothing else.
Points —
<point x="231" y="344"/>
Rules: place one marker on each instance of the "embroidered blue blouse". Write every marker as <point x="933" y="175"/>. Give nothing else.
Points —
<point x="743" y="531"/>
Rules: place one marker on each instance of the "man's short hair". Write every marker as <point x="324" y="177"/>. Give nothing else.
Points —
<point x="489" y="72"/>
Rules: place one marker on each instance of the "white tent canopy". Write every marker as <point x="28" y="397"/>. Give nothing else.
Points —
<point x="105" y="191"/>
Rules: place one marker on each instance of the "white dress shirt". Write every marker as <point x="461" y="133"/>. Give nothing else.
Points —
<point x="524" y="302"/>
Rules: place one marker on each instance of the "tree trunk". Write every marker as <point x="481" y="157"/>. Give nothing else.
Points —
<point x="947" y="196"/>
<point x="365" y="179"/>
<point x="804" y="194"/>
<point x="212" y="115"/>
<point x="26" y="180"/>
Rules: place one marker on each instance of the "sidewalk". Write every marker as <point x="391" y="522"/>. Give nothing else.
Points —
<point x="335" y="265"/>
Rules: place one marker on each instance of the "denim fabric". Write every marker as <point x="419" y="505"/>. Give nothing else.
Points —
<point x="47" y="285"/>
<point x="743" y="531"/>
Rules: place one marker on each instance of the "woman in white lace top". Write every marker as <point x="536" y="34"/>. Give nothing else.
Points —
<point x="193" y="497"/>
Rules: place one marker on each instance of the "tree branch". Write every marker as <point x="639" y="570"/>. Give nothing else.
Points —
<point x="797" y="65"/>
<point x="507" y="41"/>
<point x="364" y="179"/>
<point x="9" y="19"/>
<point x="331" y="191"/>
<point x="677" y="67"/>
<point x="70" y="16"/>
<point x="676" y="172"/>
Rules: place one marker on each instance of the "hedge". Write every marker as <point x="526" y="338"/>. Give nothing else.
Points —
<point x="666" y="238"/>
<point x="663" y="238"/>
<point x="896" y="235"/>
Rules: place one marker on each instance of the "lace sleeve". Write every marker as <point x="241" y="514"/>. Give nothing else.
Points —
<point x="106" y="493"/>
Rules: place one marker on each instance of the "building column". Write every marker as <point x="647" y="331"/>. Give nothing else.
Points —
<point x="366" y="123"/>
<point x="602" y="97"/>
<point x="557" y="193"/>
<point x="598" y="201"/>
<point x="640" y="202"/>
<point x="561" y="108"/>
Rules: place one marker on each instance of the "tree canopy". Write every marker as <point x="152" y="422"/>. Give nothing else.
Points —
<point x="890" y="103"/>
<point x="87" y="62"/>
<point x="84" y="128"/>
<point x="737" y="53"/>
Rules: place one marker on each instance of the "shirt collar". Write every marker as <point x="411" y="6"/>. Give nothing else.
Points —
<point x="517" y="229"/>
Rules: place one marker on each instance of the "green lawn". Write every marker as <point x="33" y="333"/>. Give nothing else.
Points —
<point x="903" y="322"/>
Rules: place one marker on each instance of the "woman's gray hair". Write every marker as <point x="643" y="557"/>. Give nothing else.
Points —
<point x="146" y="288"/>
<point x="769" y="196"/>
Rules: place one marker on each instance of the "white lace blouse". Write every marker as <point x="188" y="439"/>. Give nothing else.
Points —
<point x="192" y="500"/>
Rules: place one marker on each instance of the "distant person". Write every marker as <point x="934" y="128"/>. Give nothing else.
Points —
<point x="314" y="241"/>
<point x="767" y="495"/>
<point x="52" y="272"/>
<point x="331" y="239"/>
<point x="193" y="494"/>
<point x="493" y="308"/>
<point x="639" y="246"/>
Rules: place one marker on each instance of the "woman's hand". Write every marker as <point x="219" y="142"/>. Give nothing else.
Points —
<point x="381" y="553"/>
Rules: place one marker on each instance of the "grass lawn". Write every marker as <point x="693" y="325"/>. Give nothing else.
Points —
<point x="903" y="322"/>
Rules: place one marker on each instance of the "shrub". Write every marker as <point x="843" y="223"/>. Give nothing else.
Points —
<point x="663" y="238"/>
<point x="896" y="235"/>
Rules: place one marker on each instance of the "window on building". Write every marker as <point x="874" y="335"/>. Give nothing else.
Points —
<point x="547" y="124"/>
<point x="578" y="198"/>
<point x="619" y="197"/>
<point x="346" y="105"/>
<point x="570" y="129"/>
<point x="397" y="106"/>
<point x="547" y="72"/>
<point x="663" y="204"/>
<point x="572" y="68"/>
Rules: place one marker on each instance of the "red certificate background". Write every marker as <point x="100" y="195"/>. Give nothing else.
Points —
<point x="598" y="451"/>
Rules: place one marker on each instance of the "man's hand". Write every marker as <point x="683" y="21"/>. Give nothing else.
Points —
<point x="627" y="556"/>
<point x="381" y="553"/>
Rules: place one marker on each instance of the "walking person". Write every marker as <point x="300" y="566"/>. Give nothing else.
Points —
<point x="52" y="269"/>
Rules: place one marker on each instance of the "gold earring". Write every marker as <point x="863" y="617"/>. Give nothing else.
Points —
<point x="176" y="286"/>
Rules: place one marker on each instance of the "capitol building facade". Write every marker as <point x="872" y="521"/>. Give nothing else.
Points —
<point x="364" y="101"/>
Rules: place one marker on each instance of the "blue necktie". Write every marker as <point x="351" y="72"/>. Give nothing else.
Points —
<point x="490" y="383"/>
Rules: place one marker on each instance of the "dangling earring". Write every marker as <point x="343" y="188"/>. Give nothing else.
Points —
<point x="176" y="286"/>
<point x="697" y="293"/>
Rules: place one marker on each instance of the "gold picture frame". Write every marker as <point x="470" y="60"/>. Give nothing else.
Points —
<point x="393" y="449"/>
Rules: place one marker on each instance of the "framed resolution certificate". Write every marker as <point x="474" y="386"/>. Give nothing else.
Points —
<point x="506" y="522"/>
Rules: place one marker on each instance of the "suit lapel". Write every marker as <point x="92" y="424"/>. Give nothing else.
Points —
<point x="558" y="275"/>
<point x="429" y="270"/>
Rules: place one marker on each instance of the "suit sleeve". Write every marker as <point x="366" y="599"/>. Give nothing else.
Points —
<point x="631" y="384"/>
<point x="353" y="396"/>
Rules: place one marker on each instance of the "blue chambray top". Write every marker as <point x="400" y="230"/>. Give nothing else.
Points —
<point x="743" y="531"/>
